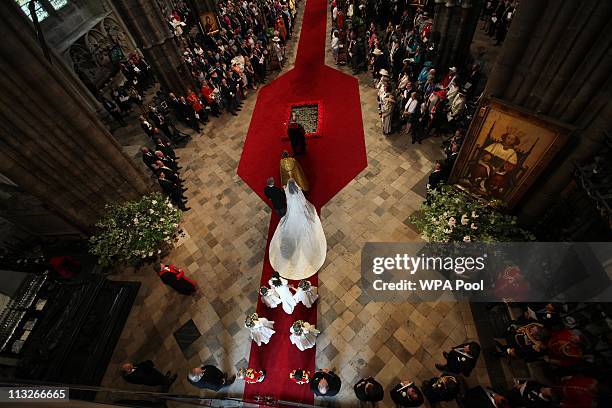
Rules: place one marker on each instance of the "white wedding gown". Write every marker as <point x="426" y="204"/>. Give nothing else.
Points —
<point x="307" y="297"/>
<point x="307" y="339"/>
<point x="285" y="295"/>
<point x="262" y="330"/>
<point x="298" y="247"/>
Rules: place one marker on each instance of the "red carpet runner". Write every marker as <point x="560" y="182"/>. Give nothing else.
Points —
<point x="331" y="162"/>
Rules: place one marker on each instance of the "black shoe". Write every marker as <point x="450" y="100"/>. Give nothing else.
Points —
<point x="184" y="189"/>
<point x="234" y="113"/>
<point x="185" y="209"/>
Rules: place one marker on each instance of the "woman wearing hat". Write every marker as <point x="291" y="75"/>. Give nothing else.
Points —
<point x="379" y="63"/>
<point x="388" y="108"/>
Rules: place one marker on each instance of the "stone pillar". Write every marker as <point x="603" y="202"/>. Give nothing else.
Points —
<point x="453" y="27"/>
<point x="52" y="143"/>
<point x="556" y="62"/>
<point x="148" y="26"/>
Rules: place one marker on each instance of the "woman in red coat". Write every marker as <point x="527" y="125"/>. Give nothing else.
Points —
<point x="175" y="278"/>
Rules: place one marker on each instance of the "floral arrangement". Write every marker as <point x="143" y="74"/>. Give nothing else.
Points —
<point x="250" y="320"/>
<point x="452" y="215"/>
<point x="298" y="327"/>
<point x="135" y="230"/>
<point x="304" y="285"/>
<point x="308" y="116"/>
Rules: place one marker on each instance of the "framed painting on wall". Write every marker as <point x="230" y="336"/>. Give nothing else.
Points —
<point x="505" y="151"/>
<point x="209" y="22"/>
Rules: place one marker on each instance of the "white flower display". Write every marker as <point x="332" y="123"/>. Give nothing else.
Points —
<point x="135" y="230"/>
<point x="451" y="215"/>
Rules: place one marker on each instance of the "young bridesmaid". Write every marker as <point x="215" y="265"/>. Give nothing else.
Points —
<point x="281" y="286"/>
<point x="306" y="293"/>
<point x="261" y="328"/>
<point x="269" y="297"/>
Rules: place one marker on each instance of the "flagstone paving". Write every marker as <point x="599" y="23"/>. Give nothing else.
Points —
<point x="224" y="248"/>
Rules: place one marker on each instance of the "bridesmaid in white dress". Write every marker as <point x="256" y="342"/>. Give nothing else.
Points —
<point x="269" y="297"/>
<point x="303" y="335"/>
<point x="281" y="286"/>
<point x="261" y="328"/>
<point x="306" y="293"/>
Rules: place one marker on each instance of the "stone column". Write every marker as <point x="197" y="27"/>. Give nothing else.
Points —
<point x="53" y="145"/>
<point x="148" y="26"/>
<point x="453" y="27"/>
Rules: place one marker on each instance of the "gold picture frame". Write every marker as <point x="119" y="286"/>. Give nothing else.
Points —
<point x="209" y="22"/>
<point x="505" y="151"/>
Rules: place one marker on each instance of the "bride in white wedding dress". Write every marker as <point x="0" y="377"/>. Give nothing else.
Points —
<point x="298" y="247"/>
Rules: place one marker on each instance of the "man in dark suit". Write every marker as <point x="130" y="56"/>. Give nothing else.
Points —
<point x="297" y="136"/>
<point x="209" y="377"/>
<point x="173" y="191"/>
<point x="277" y="196"/>
<point x="325" y="383"/>
<point x="369" y="390"/>
<point x="407" y="394"/>
<point x="169" y="174"/>
<point x="166" y="149"/>
<point x="148" y="158"/>
<point x="187" y="114"/>
<point x="436" y="177"/>
<point x="461" y="359"/>
<point x="145" y="373"/>
<point x="167" y="161"/>
<point x="227" y="94"/>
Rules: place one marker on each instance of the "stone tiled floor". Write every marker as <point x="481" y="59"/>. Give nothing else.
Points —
<point x="224" y="250"/>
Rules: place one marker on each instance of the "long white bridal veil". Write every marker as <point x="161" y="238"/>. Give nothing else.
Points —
<point x="298" y="247"/>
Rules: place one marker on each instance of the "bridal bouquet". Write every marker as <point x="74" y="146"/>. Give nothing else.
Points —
<point x="298" y="327"/>
<point x="136" y="230"/>
<point x="451" y="215"/>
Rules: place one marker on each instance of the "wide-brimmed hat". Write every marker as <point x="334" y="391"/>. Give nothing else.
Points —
<point x="377" y="51"/>
<point x="453" y="69"/>
<point x="276" y="39"/>
<point x="383" y="72"/>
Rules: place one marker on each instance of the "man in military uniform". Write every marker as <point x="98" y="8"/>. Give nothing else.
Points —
<point x="531" y="394"/>
<point x="369" y="390"/>
<point x="526" y="341"/>
<point x="443" y="388"/>
<point x="407" y="394"/>
<point x="461" y="359"/>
